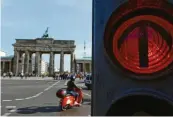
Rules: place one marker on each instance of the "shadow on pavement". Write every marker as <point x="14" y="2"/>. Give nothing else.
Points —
<point x="51" y="109"/>
<point x="35" y="109"/>
<point x="86" y="101"/>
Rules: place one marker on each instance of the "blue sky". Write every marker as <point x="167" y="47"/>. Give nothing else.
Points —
<point x="28" y="19"/>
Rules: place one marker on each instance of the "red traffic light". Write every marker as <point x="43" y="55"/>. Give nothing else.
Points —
<point x="133" y="42"/>
<point x="141" y="40"/>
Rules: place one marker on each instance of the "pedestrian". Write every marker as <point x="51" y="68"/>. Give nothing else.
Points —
<point x="26" y="75"/>
<point x="58" y="76"/>
<point x="29" y="75"/>
<point x="63" y="76"/>
<point x="54" y="76"/>
<point x="42" y="75"/>
<point x="10" y="74"/>
<point x="21" y="75"/>
<point x="4" y="75"/>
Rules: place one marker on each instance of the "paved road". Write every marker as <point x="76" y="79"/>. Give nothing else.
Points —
<point x="37" y="98"/>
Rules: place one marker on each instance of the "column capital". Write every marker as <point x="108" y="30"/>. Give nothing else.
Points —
<point x="52" y="53"/>
<point x="72" y="52"/>
<point x="26" y="52"/>
<point x="16" y="51"/>
<point x="30" y="55"/>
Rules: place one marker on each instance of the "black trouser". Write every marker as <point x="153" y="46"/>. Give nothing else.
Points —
<point x="75" y="94"/>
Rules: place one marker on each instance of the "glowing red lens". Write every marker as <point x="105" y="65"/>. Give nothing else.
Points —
<point x="159" y="53"/>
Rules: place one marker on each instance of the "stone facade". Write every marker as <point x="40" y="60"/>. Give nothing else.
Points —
<point x="83" y="65"/>
<point x="6" y="64"/>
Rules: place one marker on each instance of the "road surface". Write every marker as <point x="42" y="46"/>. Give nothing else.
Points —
<point x="37" y="98"/>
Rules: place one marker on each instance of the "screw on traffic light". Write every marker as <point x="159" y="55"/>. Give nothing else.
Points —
<point x="132" y="57"/>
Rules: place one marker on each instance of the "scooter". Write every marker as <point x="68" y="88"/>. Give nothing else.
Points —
<point x="68" y="101"/>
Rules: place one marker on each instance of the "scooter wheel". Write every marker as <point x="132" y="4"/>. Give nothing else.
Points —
<point x="64" y="108"/>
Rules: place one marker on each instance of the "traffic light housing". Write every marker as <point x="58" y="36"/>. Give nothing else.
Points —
<point x="132" y="57"/>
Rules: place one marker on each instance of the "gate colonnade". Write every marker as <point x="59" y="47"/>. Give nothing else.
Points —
<point x="40" y="46"/>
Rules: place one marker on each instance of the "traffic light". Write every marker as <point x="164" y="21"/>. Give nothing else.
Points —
<point x="132" y="57"/>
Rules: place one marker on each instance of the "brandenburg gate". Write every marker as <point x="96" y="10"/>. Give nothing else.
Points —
<point x="41" y="46"/>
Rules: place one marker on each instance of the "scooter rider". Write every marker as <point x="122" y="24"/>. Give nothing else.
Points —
<point x="70" y="89"/>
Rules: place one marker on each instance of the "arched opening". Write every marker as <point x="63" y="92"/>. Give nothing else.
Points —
<point x="139" y="105"/>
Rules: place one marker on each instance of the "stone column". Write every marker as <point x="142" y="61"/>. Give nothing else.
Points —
<point x="62" y="62"/>
<point x="37" y="64"/>
<point x="10" y="66"/>
<point x="51" y="64"/>
<point x="80" y="67"/>
<point x="30" y="63"/>
<point x="26" y="62"/>
<point x="75" y="67"/>
<point x="90" y="67"/>
<point x="72" y="63"/>
<point x="16" y="63"/>
<point x="3" y="66"/>
<point x="40" y="64"/>
<point x="83" y="65"/>
<point x="20" y="65"/>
